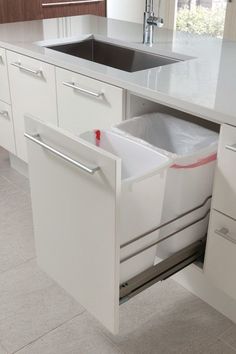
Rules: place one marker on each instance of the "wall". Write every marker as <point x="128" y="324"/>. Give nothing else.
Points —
<point x="132" y="10"/>
<point x="127" y="10"/>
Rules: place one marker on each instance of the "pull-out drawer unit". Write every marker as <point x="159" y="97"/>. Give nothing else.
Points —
<point x="225" y="189"/>
<point x="81" y="203"/>
<point x="4" y="87"/>
<point x="220" y="262"/>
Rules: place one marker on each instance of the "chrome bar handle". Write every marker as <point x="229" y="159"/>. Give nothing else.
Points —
<point x="66" y="3"/>
<point x="224" y="232"/>
<point x="4" y="114"/>
<point x="82" y="90"/>
<point x="28" y="70"/>
<point x="36" y="139"/>
<point x="231" y="147"/>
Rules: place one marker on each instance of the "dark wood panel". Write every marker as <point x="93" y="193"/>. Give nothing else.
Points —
<point x="98" y="9"/>
<point x="20" y="10"/>
<point x="24" y="10"/>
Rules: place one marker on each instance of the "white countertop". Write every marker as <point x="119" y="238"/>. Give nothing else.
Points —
<point x="204" y="86"/>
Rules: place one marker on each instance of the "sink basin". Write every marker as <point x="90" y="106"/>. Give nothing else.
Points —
<point x="115" y="56"/>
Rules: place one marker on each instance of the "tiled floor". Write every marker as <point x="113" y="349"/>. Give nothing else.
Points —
<point x="38" y="317"/>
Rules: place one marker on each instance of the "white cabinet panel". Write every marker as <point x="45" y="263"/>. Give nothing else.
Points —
<point x="81" y="111"/>
<point x="220" y="261"/>
<point x="224" y="196"/>
<point x="75" y="220"/>
<point x="33" y="91"/>
<point x="7" y="140"/>
<point x="4" y="83"/>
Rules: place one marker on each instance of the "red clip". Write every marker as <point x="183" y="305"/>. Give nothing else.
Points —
<point x="98" y="134"/>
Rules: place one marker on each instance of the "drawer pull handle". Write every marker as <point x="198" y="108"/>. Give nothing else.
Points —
<point x="231" y="147"/>
<point x="223" y="232"/>
<point x="28" y="70"/>
<point x="1" y="58"/>
<point x="66" y="3"/>
<point x="4" y="114"/>
<point x="80" y="89"/>
<point x="36" y="139"/>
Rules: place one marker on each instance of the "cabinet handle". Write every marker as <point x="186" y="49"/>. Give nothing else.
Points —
<point x="80" y="89"/>
<point x="1" y="58"/>
<point x="224" y="232"/>
<point x="28" y="70"/>
<point x="4" y="114"/>
<point x="231" y="147"/>
<point x="65" y="3"/>
<point x="36" y="139"/>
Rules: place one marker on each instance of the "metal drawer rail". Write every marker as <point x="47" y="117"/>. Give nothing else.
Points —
<point x="134" y="254"/>
<point x="162" y="270"/>
<point x="166" y="223"/>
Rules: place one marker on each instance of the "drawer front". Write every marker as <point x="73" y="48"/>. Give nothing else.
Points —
<point x="4" y="82"/>
<point x="7" y="140"/>
<point x="224" y="198"/>
<point x="85" y="104"/>
<point x="220" y="261"/>
<point x="75" y="214"/>
<point x="62" y="8"/>
<point x="33" y="92"/>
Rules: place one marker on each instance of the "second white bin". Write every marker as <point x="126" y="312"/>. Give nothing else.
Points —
<point x="193" y="149"/>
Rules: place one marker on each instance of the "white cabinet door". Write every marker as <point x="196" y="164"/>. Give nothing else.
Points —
<point x="220" y="261"/>
<point x="4" y="82"/>
<point x="224" y="196"/>
<point x="33" y="91"/>
<point x="75" y="219"/>
<point x="85" y="104"/>
<point x="7" y="140"/>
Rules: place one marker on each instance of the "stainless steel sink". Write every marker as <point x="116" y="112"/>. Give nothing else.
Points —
<point x="115" y="56"/>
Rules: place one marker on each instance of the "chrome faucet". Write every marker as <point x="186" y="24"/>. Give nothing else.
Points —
<point x="150" y="21"/>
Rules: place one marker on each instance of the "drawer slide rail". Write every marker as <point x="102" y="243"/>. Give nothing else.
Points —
<point x="162" y="270"/>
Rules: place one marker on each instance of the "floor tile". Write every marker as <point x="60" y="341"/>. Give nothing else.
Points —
<point x="2" y="350"/>
<point x="179" y="323"/>
<point x="218" y="348"/>
<point x="16" y="229"/>
<point x="229" y="337"/>
<point x="77" y="336"/>
<point x="31" y="305"/>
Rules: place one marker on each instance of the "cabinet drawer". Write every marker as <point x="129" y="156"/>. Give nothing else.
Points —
<point x="7" y="140"/>
<point x="4" y="83"/>
<point x="33" y="92"/>
<point x="224" y="196"/>
<point x="62" y="8"/>
<point x="91" y="211"/>
<point x="220" y="261"/>
<point x="85" y="104"/>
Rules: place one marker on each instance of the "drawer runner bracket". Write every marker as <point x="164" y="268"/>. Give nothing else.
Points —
<point x="162" y="270"/>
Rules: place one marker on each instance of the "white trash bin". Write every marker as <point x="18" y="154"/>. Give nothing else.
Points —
<point x="141" y="199"/>
<point x="190" y="178"/>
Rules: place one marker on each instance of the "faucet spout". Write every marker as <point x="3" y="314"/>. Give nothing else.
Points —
<point x="150" y="21"/>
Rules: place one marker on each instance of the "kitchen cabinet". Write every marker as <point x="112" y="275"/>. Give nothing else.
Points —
<point x="7" y="139"/>
<point x="4" y="87"/>
<point x="25" y="10"/>
<point x="225" y="188"/>
<point x="20" y="10"/>
<point x="220" y="262"/>
<point x="61" y="8"/>
<point x="85" y="104"/>
<point x="33" y="92"/>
